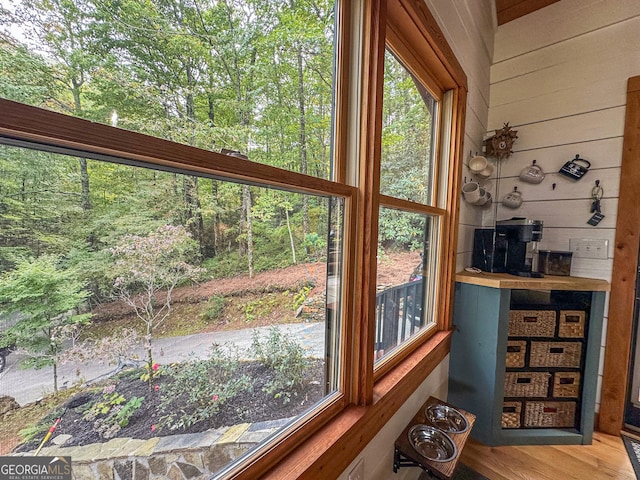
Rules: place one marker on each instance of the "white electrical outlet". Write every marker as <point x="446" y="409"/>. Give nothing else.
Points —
<point x="589" y="248"/>
<point x="357" y="473"/>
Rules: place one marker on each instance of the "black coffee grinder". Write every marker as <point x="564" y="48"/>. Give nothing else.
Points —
<point x="509" y="248"/>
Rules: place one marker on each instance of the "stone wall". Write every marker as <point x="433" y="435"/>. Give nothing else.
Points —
<point x="176" y="457"/>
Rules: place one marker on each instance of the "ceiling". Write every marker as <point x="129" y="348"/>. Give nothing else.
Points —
<point x="508" y="10"/>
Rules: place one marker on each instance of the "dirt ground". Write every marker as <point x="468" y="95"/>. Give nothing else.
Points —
<point x="393" y="269"/>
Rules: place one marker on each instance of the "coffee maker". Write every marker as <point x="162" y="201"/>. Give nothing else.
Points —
<point x="509" y="248"/>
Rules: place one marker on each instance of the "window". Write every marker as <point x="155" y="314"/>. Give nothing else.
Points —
<point x="389" y="191"/>
<point x="405" y="308"/>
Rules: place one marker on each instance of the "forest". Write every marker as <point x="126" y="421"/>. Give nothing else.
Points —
<point x="248" y="76"/>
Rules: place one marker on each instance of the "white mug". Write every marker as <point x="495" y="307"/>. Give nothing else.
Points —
<point x="488" y="170"/>
<point x="478" y="164"/>
<point x="471" y="192"/>
<point x="485" y="196"/>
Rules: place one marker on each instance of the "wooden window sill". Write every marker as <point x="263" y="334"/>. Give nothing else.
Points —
<point x="328" y="452"/>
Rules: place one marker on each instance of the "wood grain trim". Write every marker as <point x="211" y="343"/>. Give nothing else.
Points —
<point x="330" y="451"/>
<point x="625" y="261"/>
<point x="342" y="89"/>
<point x="548" y="282"/>
<point x="411" y="18"/>
<point x="52" y="129"/>
<point x="450" y="230"/>
<point x="368" y="197"/>
<point x="409" y="206"/>
<point x="508" y="10"/>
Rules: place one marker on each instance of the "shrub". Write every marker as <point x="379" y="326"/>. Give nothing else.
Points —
<point x="213" y="308"/>
<point x="286" y="357"/>
<point x="203" y="386"/>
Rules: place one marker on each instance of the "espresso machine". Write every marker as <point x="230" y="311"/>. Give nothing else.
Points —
<point x="511" y="247"/>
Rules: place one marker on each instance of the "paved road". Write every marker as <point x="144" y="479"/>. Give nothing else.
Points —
<point x="29" y="385"/>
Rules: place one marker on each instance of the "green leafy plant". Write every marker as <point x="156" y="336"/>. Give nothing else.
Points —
<point x="110" y="399"/>
<point x="301" y="296"/>
<point x="126" y="412"/>
<point x="213" y="308"/>
<point x="286" y="358"/>
<point x="203" y="385"/>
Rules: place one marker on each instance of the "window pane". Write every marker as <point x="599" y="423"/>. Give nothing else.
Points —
<point x="209" y="296"/>
<point x="408" y="126"/>
<point x="406" y="279"/>
<point x="255" y="77"/>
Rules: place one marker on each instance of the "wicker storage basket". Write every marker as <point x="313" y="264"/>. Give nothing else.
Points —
<point x="532" y="323"/>
<point x="526" y="384"/>
<point x="511" y="414"/>
<point x="571" y="323"/>
<point x="550" y="414"/>
<point x="516" y="350"/>
<point x="555" y="354"/>
<point x="566" y="384"/>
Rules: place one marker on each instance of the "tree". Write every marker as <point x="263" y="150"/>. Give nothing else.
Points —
<point x="47" y="297"/>
<point x="148" y="268"/>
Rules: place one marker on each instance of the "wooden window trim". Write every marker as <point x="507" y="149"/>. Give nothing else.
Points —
<point x="411" y="31"/>
<point x="324" y="446"/>
<point x="623" y="280"/>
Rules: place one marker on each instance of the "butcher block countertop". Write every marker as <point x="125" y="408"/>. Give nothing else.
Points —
<point x="548" y="282"/>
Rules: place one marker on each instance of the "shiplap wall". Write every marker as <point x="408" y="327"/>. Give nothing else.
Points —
<point x="469" y="27"/>
<point x="559" y="78"/>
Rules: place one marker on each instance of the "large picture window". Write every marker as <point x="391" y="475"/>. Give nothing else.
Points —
<point x="224" y="218"/>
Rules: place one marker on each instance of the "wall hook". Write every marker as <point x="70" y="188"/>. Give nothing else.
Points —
<point x="553" y="186"/>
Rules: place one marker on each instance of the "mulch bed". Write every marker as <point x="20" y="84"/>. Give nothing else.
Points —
<point x="247" y="407"/>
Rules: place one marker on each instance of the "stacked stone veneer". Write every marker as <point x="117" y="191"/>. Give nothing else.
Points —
<point x="176" y="457"/>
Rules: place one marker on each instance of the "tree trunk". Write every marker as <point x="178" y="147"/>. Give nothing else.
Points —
<point x="303" y="141"/>
<point x="293" y="247"/>
<point x="84" y="172"/>
<point x="84" y="181"/>
<point x="55" y="377"/>
<point x="246" y="200"/>
<point x="216" y="217"/>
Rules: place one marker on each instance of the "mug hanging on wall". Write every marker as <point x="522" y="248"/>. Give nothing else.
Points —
<point x="576" y="168"/>
<point x="532" y="174"/>
<point x="512" y="199"/>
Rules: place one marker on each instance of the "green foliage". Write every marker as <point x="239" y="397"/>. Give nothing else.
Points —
<point x="285" y="357"/>
<point x="112" y="413"/>
<point x="203" y="386"/>
<point x="46" y="297"/>
<point x="314" y="246"/>
<point x="213" y="308"/>
<point x="123" y="417"/>
<point x="226" y="265"/>
<point x="109" y="400"/>
<point x="301" y="296"/>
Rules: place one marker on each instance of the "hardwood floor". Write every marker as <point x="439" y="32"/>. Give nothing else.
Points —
<point x="605" y="458"/>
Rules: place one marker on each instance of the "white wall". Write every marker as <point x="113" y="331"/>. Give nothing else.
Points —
<point x="469" y="28"/>
<point x="559" y="78"/>
<point x="378" y="454"/>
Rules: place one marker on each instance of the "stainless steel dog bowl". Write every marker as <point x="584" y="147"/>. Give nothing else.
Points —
<point x="446" y="418"/>
<point x="431" y="443"/>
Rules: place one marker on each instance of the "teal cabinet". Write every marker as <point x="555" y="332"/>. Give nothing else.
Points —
<point x="550" y="332"/>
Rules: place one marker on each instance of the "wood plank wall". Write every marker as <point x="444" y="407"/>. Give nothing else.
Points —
<point x="559" y="77"/>
<point x="469" y="27"/>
